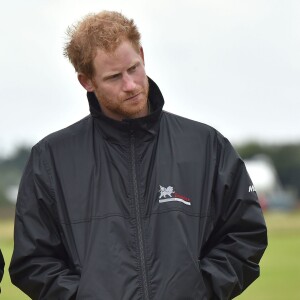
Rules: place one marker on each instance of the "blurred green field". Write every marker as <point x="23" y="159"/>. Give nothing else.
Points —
<point x="9" y="292"/>
<point x="280" y="267"/>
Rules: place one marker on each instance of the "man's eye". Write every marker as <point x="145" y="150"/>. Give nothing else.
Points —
<point x="133" y="68"/>
<point x="115" y="76"/>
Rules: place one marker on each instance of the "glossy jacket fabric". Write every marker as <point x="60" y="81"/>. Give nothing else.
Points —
<point x="159" y="207"/>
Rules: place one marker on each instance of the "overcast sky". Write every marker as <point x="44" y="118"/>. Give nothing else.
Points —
<point x="233" y="64"/>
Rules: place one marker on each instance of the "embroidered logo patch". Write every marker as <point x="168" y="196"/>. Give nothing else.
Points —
<point x="168" y="194"/>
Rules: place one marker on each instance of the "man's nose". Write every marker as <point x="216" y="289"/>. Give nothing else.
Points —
<point x="128" y="83"/>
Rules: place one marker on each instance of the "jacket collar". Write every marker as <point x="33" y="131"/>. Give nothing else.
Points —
<point x="145" y="127"/>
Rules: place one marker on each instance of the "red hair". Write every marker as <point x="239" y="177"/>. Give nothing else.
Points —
<point x="105" y="30"/>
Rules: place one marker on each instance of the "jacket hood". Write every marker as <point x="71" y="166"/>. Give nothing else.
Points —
<point x="146" y="125"/>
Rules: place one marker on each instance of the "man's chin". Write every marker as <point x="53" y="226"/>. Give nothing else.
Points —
<point x="136" y="112"/>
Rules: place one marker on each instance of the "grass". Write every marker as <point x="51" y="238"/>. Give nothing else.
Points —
<point x="280" y="266"/>
<point x="9" y="292"/>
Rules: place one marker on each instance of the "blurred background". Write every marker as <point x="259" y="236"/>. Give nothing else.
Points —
<point x="233" y="64"/>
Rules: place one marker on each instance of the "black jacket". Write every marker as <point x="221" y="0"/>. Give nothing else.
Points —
<point x="2" y="264"/>
<point x="159" y="207"/>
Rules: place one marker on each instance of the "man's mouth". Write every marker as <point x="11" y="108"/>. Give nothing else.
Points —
<point x="133" y="97"/>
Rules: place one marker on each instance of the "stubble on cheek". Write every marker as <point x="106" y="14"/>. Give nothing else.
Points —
<point x="121" y="106"/>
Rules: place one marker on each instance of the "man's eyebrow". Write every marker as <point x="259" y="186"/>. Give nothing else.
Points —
<point x="109" y="76"/>
<point x="112" y="75"/>
<point x="134" y="65"/>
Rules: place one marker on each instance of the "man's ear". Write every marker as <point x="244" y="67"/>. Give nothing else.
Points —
<point x="142" y="54"/>
<point x="86" y="82"/>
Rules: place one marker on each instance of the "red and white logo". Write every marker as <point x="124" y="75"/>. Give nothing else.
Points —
<point x="168" y="194"/>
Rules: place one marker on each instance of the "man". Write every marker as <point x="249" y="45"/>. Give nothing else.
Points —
<point x="2" y="264"/>
<point x="133" y="202"/>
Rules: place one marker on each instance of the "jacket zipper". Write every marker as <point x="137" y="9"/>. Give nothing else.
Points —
<point x="138" y="218"/>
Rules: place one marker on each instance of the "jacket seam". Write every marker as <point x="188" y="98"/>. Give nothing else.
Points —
<point x="93" y="218"/>
<point x="47" y="168"/>
<point x="129" y="217"/>
<point x="180" y="210"/>
<point x="218" y="154"/>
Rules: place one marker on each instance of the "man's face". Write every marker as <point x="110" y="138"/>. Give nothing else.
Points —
<point x="120" y="82"/>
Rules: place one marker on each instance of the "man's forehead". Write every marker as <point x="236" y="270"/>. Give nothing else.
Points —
<point x="105" y="53"/>
<point x="116" y="50"/>
<point x="125" y="52"/>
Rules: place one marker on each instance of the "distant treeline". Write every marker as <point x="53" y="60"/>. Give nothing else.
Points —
<point x="11" y="169"/>
<point x="286" y="159"/>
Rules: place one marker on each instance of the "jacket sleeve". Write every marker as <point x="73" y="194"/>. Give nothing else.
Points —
<point x="2" y="264"/>
<point x="40" y="265"/>
<point x="230" y="259"/>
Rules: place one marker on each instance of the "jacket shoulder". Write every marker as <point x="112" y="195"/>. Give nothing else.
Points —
<point x="195" y="132"/>
<point x="74" y="133"/>
<point x="187" y="126"/>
